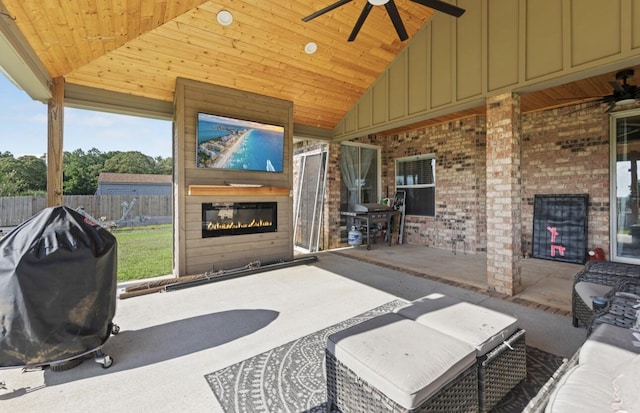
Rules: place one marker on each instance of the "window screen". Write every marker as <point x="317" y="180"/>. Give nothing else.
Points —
<point x="416" y="176"/>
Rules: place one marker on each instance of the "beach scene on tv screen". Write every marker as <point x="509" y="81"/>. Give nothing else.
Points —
<point x="228" y="143"/>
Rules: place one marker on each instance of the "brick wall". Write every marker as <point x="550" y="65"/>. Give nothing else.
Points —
<point x="459" y="149"/>
<point x="566" y="151"/>
<point x="563" y="151"/>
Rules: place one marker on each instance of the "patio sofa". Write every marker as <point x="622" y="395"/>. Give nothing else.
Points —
<point x="434" y="354"/>
<point x="603" y="376"/>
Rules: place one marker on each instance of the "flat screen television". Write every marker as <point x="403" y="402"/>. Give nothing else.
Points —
<point x="237" y="144"/>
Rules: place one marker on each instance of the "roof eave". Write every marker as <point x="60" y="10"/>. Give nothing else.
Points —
<point x="20" y="64"/>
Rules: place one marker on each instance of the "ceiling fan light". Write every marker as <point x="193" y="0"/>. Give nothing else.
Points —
<point x="625" y="102"/>
<point x="378" y="2"/>
<point x="224" y="17"/>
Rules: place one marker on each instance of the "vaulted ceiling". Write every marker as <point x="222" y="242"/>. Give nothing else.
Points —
<point x="140" y="47"/>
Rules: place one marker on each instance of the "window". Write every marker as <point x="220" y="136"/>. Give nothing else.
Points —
<point x="417" y="176"/>
<point x="625" y="190"/>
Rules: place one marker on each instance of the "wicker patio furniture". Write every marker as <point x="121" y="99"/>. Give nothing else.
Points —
<point x="623" y="306"/>
<point x="603" y="376"/>
<point x="497" y="338"/>
<point x="393" y="364"/>
<point x="597" y="278"/>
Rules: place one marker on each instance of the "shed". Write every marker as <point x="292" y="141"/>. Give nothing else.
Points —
<point x="133" y="184"/>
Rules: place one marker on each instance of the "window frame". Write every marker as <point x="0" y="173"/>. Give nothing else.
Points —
<point x="432" y="158"/>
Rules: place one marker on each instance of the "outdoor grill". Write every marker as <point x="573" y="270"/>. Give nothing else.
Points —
<point x="57" y="290"/>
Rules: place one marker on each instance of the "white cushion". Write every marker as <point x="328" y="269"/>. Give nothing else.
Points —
<point x="481" y="327"/>
<point x="608" y="348"/>
<point x="626" y="392"/>
<point x="582" y="389"/>
<point x="406" y="361"/>
<point x="587" y="290"/>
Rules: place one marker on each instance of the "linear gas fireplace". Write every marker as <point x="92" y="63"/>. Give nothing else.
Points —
<point x="238" y="218"/>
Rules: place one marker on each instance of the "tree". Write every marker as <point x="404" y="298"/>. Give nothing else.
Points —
<point x="26" y="174"/>
<point x="80" y="174"/>
<point x="33" y="171"/>
<point x="164" y="166"/>
<point x="132" y="162"/>
<point x="10" y="183"/>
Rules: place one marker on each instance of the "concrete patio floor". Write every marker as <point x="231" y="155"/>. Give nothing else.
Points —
<point x="170" y="341"/>
<point x="546" y="284"/>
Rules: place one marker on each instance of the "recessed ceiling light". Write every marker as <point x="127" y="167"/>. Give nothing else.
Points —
<point x="224" y="17"/>
<point x="311" y="47"/>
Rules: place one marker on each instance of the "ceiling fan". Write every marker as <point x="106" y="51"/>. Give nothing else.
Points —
<point x="392" y="11"/>
<point x="623" y="93"/>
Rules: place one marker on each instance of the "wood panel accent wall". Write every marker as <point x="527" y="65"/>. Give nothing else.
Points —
<point x="497" y="46"/>
<point x="192" y="253"/>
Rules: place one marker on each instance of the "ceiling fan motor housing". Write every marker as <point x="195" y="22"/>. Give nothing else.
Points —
<point x="624" y="75"/>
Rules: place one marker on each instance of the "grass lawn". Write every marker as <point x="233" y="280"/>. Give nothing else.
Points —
<point x="144" y="251"/>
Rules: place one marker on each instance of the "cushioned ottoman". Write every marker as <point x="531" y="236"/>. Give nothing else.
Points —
<point x="393" y="364"/>
<point x="498" y="342"/>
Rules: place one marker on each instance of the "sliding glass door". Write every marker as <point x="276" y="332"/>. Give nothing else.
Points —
<point x="625" y="206"/>
<point x="360" y="178"/>
<point x="360" y="173"/>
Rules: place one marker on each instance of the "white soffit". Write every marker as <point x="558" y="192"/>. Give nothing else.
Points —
<point x="20" y="64"/>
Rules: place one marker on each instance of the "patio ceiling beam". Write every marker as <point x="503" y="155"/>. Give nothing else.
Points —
<point x="90" y="98"/>
<point x="85" y="97"/>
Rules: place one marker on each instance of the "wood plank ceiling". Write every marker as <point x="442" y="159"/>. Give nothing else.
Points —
<point x="140" y="47"/>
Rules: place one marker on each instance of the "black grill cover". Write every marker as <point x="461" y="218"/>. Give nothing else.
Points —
<point x="57" y="288"/>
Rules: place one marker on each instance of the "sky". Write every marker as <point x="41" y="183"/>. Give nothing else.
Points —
<point x="23" y="128"/>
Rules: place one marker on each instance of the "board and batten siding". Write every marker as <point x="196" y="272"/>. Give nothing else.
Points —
<point x="194" y="254"/>
<point x="497" y="46"/>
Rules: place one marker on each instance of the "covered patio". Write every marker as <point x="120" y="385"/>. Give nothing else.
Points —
<point x="500" y="120"/>
<point x="178" y="360"/>
<point x="497" y="103"/>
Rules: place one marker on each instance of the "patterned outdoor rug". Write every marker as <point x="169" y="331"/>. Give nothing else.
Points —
<point x="291" y="378"/>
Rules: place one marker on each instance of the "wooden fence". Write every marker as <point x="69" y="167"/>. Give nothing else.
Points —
<point x="14" y="210"/>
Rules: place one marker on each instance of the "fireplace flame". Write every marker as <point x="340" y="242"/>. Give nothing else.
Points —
<point x="213" y="226"/>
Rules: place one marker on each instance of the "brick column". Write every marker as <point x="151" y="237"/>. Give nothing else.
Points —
<point x="504" y="217"/>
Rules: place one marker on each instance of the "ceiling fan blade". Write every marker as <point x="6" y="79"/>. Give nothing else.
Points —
<point x="326" y="10"/>
<point x="442" y="6"/>
<point x="392" y="10"/>
<point x="363" y="16"/>
<point x="616" y="86"/>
